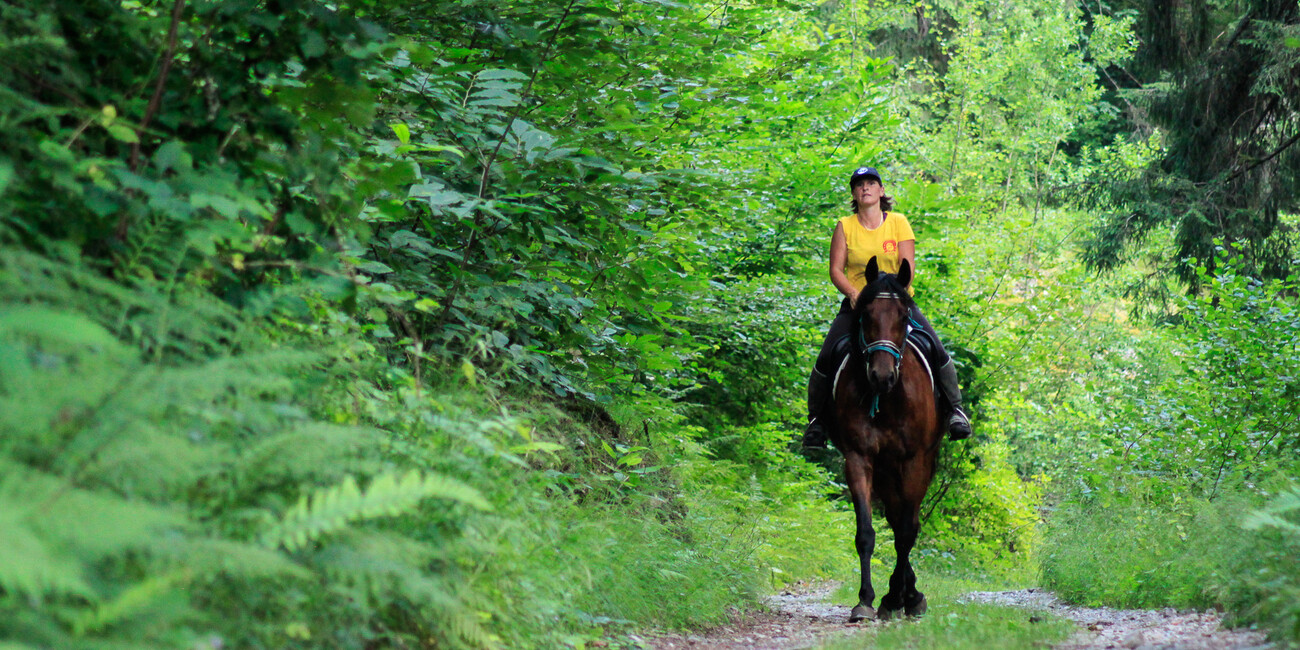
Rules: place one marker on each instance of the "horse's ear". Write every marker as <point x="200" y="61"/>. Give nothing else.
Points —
<point x="873" y="270"/>
<point x="905" y="273"/>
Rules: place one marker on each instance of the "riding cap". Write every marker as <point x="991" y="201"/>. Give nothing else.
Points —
<point x="865" y="172"/>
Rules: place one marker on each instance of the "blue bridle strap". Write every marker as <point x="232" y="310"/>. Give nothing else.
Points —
<point x="887" y="346"/>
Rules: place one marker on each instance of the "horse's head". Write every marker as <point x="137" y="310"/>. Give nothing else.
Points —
<point x="883" y="320"/>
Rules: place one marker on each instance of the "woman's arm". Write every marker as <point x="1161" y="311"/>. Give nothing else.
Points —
<point x="839" y="256"/>
<point x="907" y="251"/>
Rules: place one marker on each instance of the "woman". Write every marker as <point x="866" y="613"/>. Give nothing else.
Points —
<point x="872" y="231"/>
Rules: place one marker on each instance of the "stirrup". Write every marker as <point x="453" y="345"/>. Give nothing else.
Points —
<point x="814" y="435"/>
<point x="958" y="425"/>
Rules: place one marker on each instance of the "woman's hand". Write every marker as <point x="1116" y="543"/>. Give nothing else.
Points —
<point x="853" y="300"/>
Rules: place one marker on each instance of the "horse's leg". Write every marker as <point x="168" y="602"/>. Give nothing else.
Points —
<point x="857" y="469"/>
<point x="902" y="582"/>
<point x="903" y="512"/>
<point x="892" y="499"/>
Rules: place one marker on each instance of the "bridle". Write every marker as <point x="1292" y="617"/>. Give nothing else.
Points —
<point x="885" y="345"/>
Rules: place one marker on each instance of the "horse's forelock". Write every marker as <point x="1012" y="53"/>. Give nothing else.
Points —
<point x="885" y="283"/>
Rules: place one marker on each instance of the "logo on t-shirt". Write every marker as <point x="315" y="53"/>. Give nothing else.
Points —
<point x="890" y="246"/>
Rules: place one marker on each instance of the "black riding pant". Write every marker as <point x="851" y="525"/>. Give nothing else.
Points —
<point x="835" y="346"/>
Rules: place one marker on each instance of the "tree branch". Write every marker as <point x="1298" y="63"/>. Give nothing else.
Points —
<point x="1285" y="145"/>
<point x="152" y="109"/>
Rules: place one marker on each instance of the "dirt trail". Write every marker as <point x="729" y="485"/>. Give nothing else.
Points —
<point x="802" y="619"/>
<point x="796" y="618"/>
<point x="1144" y="629"/>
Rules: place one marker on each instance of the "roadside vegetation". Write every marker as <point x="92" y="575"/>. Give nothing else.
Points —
<point x="486" y="324"/>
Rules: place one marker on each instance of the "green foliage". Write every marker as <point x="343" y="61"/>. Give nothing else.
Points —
<point x="387" y="496"/>
<point x="1226" y="110"/>
<point x="485" y="324"/>
<point x="1136" y="548"/>
<point x="1269" y="595"/>
<point x="1130" y="550"/>
<point x="1168" y="445"/>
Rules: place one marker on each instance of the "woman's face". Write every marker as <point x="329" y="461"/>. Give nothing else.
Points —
<point x="868" y="192"/>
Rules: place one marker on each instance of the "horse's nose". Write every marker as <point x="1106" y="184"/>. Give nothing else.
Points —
<point x="881" y="381"/>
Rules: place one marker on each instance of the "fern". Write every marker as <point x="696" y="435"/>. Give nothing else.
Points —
<point x="29" y="567"/>
<point x="1274" y="514"/>
<point x="134" y="599"/>
<point x="387" y="496"/>
<point x="204" y="325"/>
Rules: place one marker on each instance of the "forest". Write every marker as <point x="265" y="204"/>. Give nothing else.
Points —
<point x="487" y="323"/>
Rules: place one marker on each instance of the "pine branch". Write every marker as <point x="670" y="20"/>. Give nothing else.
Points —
<point x="1285" y="145"/>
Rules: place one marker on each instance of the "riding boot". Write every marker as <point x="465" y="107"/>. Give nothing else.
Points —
<point x="958" y="423"/>
<point x="819" y="388"/>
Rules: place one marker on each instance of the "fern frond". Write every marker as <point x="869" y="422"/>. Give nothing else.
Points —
<point x="131" y="312"/>
<point x="208" y="557"/>
<point x="92" y="524"/>
<point x="388" y="565"/>
<point x="69" y="331"/>
<point x="1274" y="514"/>
<point x="28" y="566"/>
<point x="130" y="601"/>
<point x="325" y="452"/>
<point x="388" y="495"/>
<point x="468" y="627"/>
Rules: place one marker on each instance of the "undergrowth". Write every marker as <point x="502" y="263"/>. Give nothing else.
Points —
<point x="1136" y="549"/>
<point x="174" y="476"/>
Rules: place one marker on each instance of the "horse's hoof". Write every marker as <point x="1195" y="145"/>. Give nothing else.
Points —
<point x="861" y="613"/>
<point x="886" y="614"/>
<point x="917" y="609"/>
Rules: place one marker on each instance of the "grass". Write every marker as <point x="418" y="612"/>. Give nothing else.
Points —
<point x="956" y="625"/>
<point x="1125" y="550"/>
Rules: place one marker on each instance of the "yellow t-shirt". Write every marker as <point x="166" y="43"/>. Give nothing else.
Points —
<point x="881" y="243"/>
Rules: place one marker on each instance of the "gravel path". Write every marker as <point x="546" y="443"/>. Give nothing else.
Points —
<point x="801" y="618"/>
<point x="796" y="618"/>
<point x="1142" y="629"/>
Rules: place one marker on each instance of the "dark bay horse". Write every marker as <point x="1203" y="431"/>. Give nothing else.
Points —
<point x="889" y="430"/>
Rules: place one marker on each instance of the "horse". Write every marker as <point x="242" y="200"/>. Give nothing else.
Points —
<point x="887" y="425"/>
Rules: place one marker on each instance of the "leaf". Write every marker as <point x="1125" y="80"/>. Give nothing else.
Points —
<point x="371" y="266"/>
<point x="549" y="447"/>
<point x="28" y="567"/>
<point x="493" y="74"/>
<point x="131" y="600"/>
<point x="313" y="44"/>
<point x="49" y="326"/>
<point x="402" y="131"/>
<point x="123" y="133"/>
<point x="172" y="156"/>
